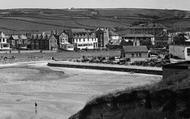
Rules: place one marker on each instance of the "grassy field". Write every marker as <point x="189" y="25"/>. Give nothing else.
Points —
<point x="34" y="20"/>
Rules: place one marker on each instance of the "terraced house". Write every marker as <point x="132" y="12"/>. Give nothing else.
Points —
<point x="19" y="41"/>
<point x="4" y="45"/>
<point x="39" y="41"/>
<point x="84" y="39"/>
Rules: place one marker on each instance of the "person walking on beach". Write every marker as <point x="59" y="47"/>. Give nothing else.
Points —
<point x="36" y="107"/>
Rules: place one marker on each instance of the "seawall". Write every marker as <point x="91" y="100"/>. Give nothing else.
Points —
<point x="110" y="67"/>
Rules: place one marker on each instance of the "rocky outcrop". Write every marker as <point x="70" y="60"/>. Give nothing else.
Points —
<point x="169" y="99"/>
<point x="164" y="103"/>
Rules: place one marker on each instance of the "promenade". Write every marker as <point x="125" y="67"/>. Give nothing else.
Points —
<point x="110" y="67"/>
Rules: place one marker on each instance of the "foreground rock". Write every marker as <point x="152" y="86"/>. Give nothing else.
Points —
<point x="170" y="99"/>
<point x="163" y="103"/>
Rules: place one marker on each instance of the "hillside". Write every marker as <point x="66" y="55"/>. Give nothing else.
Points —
<point x="35" y="20"/>
<point x="169" y="99"/>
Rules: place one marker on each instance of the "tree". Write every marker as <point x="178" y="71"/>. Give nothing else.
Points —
<point x="179" y="39"/>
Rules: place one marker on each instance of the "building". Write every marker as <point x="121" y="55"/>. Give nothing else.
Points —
<point x="84" y="39"/>
<point x="39" y="41"/>
<point x="139" y="39"/>
<point x="35" y="41"/>
<point x="13" y="41"/>
<point x="64" y="42"/>
<point x="44" y="41"/>
<point x="23" y="42"/>
<point x="157" y="30"/>
<point x="182" y="38"/>
<point x="19" y="41"/>
<point x="53" y="42"/>
<point x="179" y="52"/>
<point x="135" y="53"/>
<point x="4" y="45"/>
<point x="102" y="34"/>
<point x="114" y="40"/>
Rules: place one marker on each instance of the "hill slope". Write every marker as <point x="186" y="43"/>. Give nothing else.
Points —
<point x="34" y="20"/>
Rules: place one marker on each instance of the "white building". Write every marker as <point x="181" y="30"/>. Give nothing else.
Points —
<point x="85" y="40"/>
<point x="180" y="51"/>
<point x="64" y="42"/>
<point x="4" y="45"/>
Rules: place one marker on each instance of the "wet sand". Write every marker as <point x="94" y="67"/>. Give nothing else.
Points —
<point x="59" y="92"/>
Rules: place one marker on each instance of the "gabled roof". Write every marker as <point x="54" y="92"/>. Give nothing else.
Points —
<point x="79" y="30"/>
<point x="15" y="37"/>
<point x="54" y="37"/>
<point x="138" y="35"/>
<point x="114" y="42"/>
<point x="23" y="37"/>
<point x="111" y="33"/>
<point x="134" y="49"/>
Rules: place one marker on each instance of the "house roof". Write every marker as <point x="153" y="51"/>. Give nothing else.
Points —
<point x="23" y="37"/>
<point x="135" y="49"/>
<point x="114" y="42"/>
<point x="137" y="35"/>
<point x="15" y="37"/>
<point x="111" y="33"/>
<point x="79" y="30"/>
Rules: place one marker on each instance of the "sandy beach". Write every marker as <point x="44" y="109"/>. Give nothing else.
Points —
<point x="59" y="92"/>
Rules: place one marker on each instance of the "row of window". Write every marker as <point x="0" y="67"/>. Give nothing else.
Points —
<point x="3" y="40"/>
<point x="136" y="54"/>
<point x="87" y="44"/>
<point x="83" y="40"/>
<point x="4" y="45"/>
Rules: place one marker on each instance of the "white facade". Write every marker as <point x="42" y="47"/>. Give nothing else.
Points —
<point x="86" y="42"/>
<point x="4" y="45"/>
<point x="68" y="47"/>
<point x="187" y="53"/>
<point x="182" y="52"/>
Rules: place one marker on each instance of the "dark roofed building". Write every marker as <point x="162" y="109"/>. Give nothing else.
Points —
<point x="139" y="39"/>
<point x="53" y="44"/>
<point x="102" y="35"/>
<point x="156" y="31"/>
<point x="136" y="53"/>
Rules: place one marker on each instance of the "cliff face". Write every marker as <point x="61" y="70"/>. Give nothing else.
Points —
<point x="139" y="104"/>
<point x="169" y="99"/>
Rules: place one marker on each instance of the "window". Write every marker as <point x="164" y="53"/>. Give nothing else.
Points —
<point x="5" y="45"/>
<point x="132" y="55"/>
<point x="188" y="51"/>
<point x="140" y="55"/>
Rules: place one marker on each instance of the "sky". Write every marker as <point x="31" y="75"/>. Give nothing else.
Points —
<point x="155" y="4"/>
